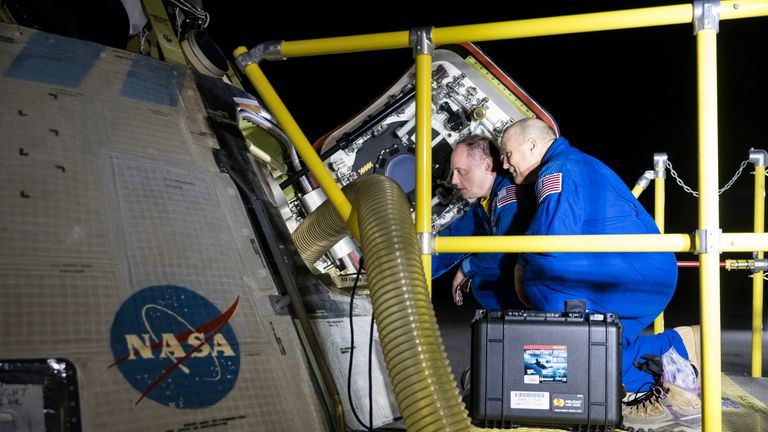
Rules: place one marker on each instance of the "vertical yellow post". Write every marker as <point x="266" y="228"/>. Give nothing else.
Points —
<point x="758" y="157"/>
<point x="421" y="40"/>
<point x="660" y="173"/>
<point x="706" y="19"/>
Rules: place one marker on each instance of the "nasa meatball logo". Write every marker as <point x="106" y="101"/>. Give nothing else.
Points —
<point x="175" y="347"/>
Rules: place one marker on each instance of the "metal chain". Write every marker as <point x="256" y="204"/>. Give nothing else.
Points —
<point x="688" y="189"/>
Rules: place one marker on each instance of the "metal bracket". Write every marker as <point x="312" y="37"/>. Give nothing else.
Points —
<point x="708" y="241"/>
<point x="269" y="50"/>
<point x="420" y="39"/>
<point x="426" y="243"/>
<point x="645" y="179"/>
<point x="706" y="15"/>
<point x="660" y="165"/>
<point x="758" y="157"/>
<point x="754" y="266"/>
<point x="761" y="265"/>
<point x="280" y="304"/>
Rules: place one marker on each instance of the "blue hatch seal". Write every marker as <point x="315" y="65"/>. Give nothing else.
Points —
<point x="175" y="347"/>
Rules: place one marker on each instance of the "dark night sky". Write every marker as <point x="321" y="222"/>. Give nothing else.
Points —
<point x="618" y="95"/>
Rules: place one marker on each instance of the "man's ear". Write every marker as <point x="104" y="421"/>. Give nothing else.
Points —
<point x="487" y="165"/>
<point x="532" y="144"/>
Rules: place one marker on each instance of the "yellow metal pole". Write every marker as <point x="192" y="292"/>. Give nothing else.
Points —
<point x="759" y="159"/>
<point x="733" y="242"/>
<point x="613" y="20"/>
<point x="637" y="190"/>
<point x="567" y="243"/>
<point x="709" y="222"/>
<point x="580" y="23"/>
<point x="423" y="48"/>
<point x="303" y="147"/>
<point x="744" y="242"/>
<point x="743" y="9"/>
<point x="660" y="173"/>
<point x="345" y="44"/>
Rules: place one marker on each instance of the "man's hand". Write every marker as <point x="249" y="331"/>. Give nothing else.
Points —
<point x="519" y="270"/>
<point x="460" y="282"/>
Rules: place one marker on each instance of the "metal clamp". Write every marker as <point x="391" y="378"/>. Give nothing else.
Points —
<point x="426" y="243"/>
<point x="761" y="265"/>
<point x="706" y="15"/>
<point x="645" y="179"/>
<point x="420" y="39"/>
<point x="269" y="50"/>
<point x="708" y="241"/>
<point x="660" y="165"/>
<point x="758" y="157"/>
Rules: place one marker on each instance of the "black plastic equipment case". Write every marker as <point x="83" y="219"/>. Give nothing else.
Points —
<point x="546" y="369"/>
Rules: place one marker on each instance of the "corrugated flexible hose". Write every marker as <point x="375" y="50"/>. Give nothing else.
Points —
<point x="424" y="386"/>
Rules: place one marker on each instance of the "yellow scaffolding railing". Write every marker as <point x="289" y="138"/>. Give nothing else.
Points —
<point x="709" y="242"/>
<point x="423" y="52"/>
<point x="758" y="157"/>
<point x="659" y="168"/>
<point x="709" y="228"/>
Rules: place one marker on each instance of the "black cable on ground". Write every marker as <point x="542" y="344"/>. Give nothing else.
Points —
<point x="370" y="375"/>
<point x="352" y="352"/>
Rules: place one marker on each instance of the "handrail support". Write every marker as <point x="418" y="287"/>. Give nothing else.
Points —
<point x="420" y="39"/>
<point x="706" y="15"/>
<point x="269" y="50"/>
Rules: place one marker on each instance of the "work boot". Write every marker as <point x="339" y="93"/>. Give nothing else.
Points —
<point x="691" y="336"/>
<point x="645" y="413"/>
<point x="663" y="407"/>
<point x="683" y="402"/>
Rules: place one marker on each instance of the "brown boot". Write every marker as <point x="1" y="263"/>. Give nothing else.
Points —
<point x="650" y="414"/>
<point x="663" y="407"/>
<point x="668" y="408"/>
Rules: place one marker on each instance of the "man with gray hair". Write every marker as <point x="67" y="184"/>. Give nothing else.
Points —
<point x="476" y="173"/>
<point x="577" y="194"/>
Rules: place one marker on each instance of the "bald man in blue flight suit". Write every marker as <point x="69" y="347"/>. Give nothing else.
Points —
<point x="577" y="194"/>
<point x="498" y="210"/>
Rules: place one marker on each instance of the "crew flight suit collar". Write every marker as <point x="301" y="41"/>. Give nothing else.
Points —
<point x="559" y="146"/>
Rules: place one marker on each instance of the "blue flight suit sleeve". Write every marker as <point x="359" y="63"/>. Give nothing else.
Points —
<point x="464" y="225"/>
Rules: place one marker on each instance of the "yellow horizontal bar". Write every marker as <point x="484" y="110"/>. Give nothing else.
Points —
<point x="579" y="23"/>
<point x="744" y="242"/>
<point x="600" y="21"/>
<point x="345" y="44"/>
<point x="614" y="20"/>
<point x="569" y="243"/>
<point x="743" y="9"/>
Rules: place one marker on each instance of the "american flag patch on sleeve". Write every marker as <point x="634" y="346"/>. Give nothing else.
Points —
<point x="506" y="195"/>
<point x="549" y="184"/>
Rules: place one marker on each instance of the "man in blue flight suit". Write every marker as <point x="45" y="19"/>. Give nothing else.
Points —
<point x="577" y="194"/>
<point x="476" y="173"/>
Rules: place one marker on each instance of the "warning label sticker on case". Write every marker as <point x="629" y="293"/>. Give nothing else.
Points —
<point x="545" y="364"/>
<point x="529" y="400"/>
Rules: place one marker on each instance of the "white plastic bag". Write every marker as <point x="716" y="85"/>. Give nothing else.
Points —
<point x="679" y="371"/>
